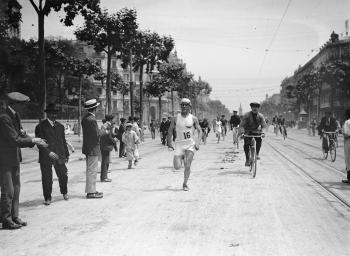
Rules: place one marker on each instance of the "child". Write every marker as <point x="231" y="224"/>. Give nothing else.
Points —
<point x="131" y="140"/>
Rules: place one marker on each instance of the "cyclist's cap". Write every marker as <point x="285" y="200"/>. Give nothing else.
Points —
<point x="234" y="111"/>
<point x="255" y="105"/>
<point x="185" y="101"/>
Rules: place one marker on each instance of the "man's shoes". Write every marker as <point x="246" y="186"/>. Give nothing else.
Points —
<point x="106" y="180"/>
<point x="135" y="162"/>
<point x="346" y="181"/>
<point x="247" y="163"/>
<point x="10" y="225"/>
<point x="65" y="197"/>
<point x="185" y="187"/>
<point x="47" y="202"/>
<point x="94" y="195"/>
<point x="19" y="222"/>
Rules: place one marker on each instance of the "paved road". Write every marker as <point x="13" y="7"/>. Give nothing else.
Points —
<point x="226" y="212"/>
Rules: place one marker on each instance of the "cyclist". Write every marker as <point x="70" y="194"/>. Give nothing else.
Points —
<point x="282" y="124"/>
<point x="218" y="128"/>
<point x="328" y="124"/>
<point x="275" y="121"/>
<point x="234" y="124"/>
<point x="252" y="123"/>
<point x="205" y="129"/>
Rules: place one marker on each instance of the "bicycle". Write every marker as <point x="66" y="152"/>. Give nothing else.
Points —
<point x="205" y="132"/>
<point x="283" y="131"/>
<point x="252" y="153"/>
<point x="235" y="136"/>
<point x="332" y="149"/>
<point x="275" y="129"/>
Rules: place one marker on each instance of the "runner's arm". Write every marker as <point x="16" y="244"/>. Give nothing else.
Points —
<point x="199" y="132"/>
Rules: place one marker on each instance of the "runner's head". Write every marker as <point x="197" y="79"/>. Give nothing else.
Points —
<point x="255" y="107"/>
<point x="185" y="105"/>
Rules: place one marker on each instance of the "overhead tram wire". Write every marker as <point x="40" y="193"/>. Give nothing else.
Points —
<point x="274" y="35"/>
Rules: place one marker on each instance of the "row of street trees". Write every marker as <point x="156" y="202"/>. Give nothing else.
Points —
<point x="46" y="68"/>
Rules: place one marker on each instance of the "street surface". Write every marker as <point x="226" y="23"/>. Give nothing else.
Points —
<point x="145" y="212"/>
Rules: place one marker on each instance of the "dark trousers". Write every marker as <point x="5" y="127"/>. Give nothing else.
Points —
<point x="10" y="189"/>
<point x="121" y="149"/>
<point x="46" y="178"/>
<point x="164" y="138"/>
<point x="247" y="142"/>
<point x="153" y="134"/>
<point x="104" y="163"/>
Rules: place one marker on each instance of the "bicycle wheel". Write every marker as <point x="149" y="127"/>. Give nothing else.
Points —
<point x="254" y="164"/>
<point x="332" y="151"/>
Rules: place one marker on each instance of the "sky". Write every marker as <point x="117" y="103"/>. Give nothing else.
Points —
<point x="243" y="49"/>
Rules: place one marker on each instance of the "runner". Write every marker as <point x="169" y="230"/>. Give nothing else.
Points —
<point x="186" y="143"/>
<point x="224" y="126"/>
<point x="252" y="123"/>
<point x="218" y="128"/>
<point x="205" y="129"/>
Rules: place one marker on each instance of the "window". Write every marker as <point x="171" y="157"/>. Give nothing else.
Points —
<point x="126" y="77"/>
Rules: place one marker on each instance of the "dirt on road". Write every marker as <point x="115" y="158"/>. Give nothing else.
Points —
<point x="145" y="211"/>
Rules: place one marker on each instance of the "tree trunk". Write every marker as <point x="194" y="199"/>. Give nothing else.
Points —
<point x="108" y="85"/>
<point x="160" y="107"/>
<point x="123" y="105"/>
<point x="60" y="91"/>
<point x="131" y="85"/>
<point x="79" y="106"/>
<point x="42" y="81"/>
<point x="172" y="103"/>
<point x="141" y="95"/>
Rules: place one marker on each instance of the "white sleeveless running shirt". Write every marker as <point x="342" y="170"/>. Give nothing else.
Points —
<point x="184" y="128"/>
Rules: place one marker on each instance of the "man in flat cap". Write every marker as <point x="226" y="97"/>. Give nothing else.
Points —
<point x="252" y="123"/>
<point x="56" y="154"/>
<point x="91" y="148"/>
<point x="12" y="138"/>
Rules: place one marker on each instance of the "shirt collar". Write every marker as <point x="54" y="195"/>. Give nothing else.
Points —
<point x="12" y="110"/>
<point x="51" y="122"/>
<point x="92" y="114"/>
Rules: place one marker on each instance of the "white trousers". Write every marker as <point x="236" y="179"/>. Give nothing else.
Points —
<point x="91" y="173"/>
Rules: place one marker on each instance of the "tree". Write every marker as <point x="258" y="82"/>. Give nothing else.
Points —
<point x="306" y="89"/>
<point x="44" y="8"/>
<point x="119" y="85"/>
<point x="177" y="79"/>
<point x="81" y="68"/>
<point x="149" y="49"/>
<point x="106" y="32"/>
<point x="157" y="88"/>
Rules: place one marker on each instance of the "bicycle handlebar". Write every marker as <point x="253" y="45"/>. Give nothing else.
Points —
<point x="254" y="136"/>
<point x="330" y="132"/>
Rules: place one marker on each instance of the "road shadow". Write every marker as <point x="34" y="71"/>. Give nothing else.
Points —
<point x="336" y="185"/>
<point x="236" y="173"/>
<point x="168" y="188"/>
<point x="166" y="167"/>
<point x="38" y="202"/>
<point x="316" y="158"/>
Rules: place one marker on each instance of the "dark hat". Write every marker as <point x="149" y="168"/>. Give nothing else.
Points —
<point x="235" y="111"/>
<point x="122" y="119"/>
<point x="51" y="107"/>
<point x="109" y="117"/>
<point x="255" y="105"/>
<point x="17" y="97"/>
<point x="91" y="104"/>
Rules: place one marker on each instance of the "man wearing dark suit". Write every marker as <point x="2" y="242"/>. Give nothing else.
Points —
<point x="163" y="129"/>
<point x="56" y="154"/>
<point x="121" y="130"/>
<point x="12" y="138"/>
<point x="91" y="148"/>
<point x="328" y="124"/>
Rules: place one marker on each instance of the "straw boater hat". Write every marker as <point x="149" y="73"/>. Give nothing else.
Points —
<point x="90" y="104"/>
<point x="17" y="97"/>
<point x="255" y="104"/>
<point x="128" y="124"/>
<point x="185" y="100"/>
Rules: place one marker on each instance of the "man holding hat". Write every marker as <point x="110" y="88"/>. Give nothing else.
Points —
<point x="56" y="154"/>
<point x="91" y="148"/>
<point x="252" y="123"/>
<point x="12" y="138"/>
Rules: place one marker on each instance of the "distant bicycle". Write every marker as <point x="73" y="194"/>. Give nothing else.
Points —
<point x="252" y="153"/>
<point x="283" y="131"/>
<point x="275" y="129"/>
<point x="205" y="132"/>
<point x="332" y="149"/>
